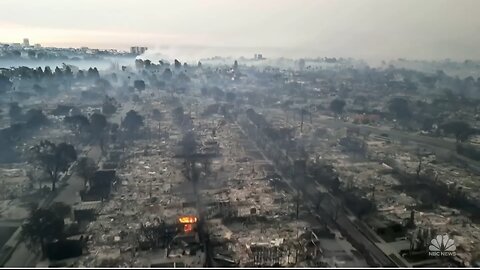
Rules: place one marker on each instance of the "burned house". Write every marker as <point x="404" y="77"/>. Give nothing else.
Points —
<point x="62" y="249"/>
<point x="211" y="147"/>
<point x="100" y="186"/>
<point x="156" y="235"/>
<point x="85" y="212"/>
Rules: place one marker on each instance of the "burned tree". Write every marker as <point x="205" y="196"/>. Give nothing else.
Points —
<point x="304" y="112"/>
<point x="206" y="165"/>
<point x="189" y="144"/>
<point x="34" y="174"/>
<point x="79" y="124"/>
<point x="419" y="167"/>
<point x="157" y="115"/>
<point x="86" y="168"/>
<point x="178" y="115"/>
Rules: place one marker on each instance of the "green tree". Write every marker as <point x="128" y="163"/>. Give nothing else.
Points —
<point x="54" y="159"/>
<point x="177" y="64"/>
<point x="47" y="72"/>
<point x="92" y="73"/>
<point x="35" y="118"/>
<point x="148" y="64"/>
<point x="460" y="129"/>
<point x="167" y="74"/>
<point x="68" y="72"/>
<point x="132" y="122"/>
<point x="191" y="170"/>
<point x="399" y="108"/>
<point x="109" y="106"/>
<point x="31" y="54"/>
<point x="58" y="72"/>
<point x="80" y="75"/>
<point x="337" y="105"/>
<point x="139" y="85"/>
<point x="41" y="227"/>
<point x="98" y="126"/>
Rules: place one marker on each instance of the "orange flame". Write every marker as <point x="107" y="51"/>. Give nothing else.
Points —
<point x="187" y="228"/>
<point x="187" y="219"/>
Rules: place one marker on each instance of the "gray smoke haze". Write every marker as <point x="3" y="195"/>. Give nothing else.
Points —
<point x="368" y="29"/>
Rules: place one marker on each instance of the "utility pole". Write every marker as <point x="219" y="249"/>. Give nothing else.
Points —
<point x="301" y="124"/>
<point x="297" y="205"/>
<point x="150" y="191"/>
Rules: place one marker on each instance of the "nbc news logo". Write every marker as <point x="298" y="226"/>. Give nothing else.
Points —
<point x="442" y="245"/>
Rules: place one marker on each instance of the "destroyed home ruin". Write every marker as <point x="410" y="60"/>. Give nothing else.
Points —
<point x="324" y="154"/>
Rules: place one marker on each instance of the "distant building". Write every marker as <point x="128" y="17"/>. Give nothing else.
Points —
<point x="258" y="56"/>
<point x="26" y="42"/>
<point x="301" y="64"/>
<point x="38" y="45"/>
<point x="138" y="50"/>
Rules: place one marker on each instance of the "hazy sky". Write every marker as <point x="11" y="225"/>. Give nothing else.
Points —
<point x="294" y="28"/>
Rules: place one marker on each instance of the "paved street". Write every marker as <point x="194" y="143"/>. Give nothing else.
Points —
<point x="22" y="256"/>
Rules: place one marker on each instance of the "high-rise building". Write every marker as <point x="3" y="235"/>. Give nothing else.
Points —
<point x="26" y="42"/>
<point x="138" y="50"/>
<point x="258" y="56"/>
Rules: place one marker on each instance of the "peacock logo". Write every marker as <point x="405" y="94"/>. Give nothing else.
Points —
<point x="442" y="245"/>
